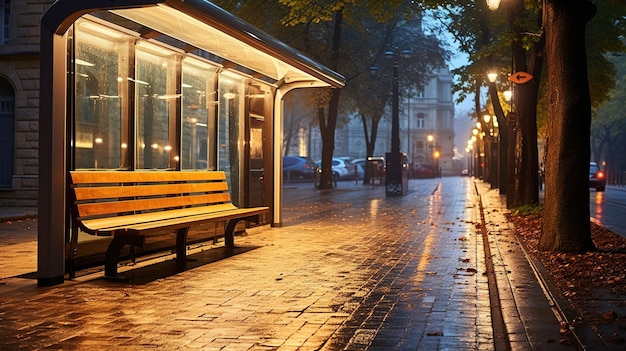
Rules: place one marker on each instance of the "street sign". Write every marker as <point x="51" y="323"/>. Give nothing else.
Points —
<point x="520" y="77"/>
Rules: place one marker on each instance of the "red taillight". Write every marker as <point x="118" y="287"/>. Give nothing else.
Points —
<point x="600" y="175"/>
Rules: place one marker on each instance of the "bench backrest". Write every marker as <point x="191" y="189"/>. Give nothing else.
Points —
<point x="111" y="193"/>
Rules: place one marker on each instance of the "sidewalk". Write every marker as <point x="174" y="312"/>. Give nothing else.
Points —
<point x="349" y="270"/>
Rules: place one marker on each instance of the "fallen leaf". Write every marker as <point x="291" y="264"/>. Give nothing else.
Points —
<point x="610" y="316"/>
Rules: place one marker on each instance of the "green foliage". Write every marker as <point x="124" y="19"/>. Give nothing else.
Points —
<point x="608" y="128"/>
<point x="604" y="33"/>
<point x="486" y="37"/>
<point x="528" y="210"/>
<point x="306" y="11"/>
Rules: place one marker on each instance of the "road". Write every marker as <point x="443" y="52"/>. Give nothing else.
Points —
<point x="608" y="208"/>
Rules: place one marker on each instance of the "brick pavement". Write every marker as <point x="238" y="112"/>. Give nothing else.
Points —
<point x="350" y="269"/>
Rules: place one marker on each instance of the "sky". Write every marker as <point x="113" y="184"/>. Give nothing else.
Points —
<point x="463" y="124"/>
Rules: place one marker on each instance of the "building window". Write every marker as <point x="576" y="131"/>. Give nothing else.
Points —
<point x="420" y="93"/>
<point x="5" y="12"/>
<point x="7" y="132"/>
<point x="421" y="121"/>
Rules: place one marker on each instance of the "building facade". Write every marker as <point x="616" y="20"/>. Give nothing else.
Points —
<point x="19" y="100"/>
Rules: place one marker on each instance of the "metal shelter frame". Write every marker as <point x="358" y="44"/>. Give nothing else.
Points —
<point x="197" y="22"/>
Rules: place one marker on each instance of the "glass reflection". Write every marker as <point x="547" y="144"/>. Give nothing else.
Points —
<point x="100" y="59"/>
<point x="598" y="202"/>
<point x="231" y="132"/>
<point x="198" y="115"/>
<point x="155" y="104"/>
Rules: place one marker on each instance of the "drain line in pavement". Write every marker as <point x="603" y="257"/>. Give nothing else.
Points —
<point x="552" y="301"/>
<point x="500" y="335"/>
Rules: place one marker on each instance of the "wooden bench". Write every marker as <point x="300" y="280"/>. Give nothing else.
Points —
<point x="131" y="205"/>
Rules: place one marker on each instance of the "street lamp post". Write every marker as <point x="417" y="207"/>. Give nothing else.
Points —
<point x="430" y="139"/>
<point x="491" y="148"/>
<point x="478" y="163"/>
<point x="396" y="173"/>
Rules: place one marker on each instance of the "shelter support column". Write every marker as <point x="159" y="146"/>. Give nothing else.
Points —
<point x="52" y="159"/>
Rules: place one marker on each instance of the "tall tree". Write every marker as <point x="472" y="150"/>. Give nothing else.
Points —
<point x="566" y="225"/>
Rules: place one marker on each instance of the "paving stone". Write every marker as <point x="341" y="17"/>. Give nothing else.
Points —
<point x="350" y="269"/>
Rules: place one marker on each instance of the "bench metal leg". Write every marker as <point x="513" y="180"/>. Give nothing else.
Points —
<point x="113" y="252"/>
<point x="229" y="233"/>
<point x="181" y="243"/>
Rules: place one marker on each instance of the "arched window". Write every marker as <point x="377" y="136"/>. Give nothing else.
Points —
<point x="7" y="132"/>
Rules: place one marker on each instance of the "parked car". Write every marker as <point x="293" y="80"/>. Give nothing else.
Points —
<point x="597" y="178"/>
<point x="297" y="168"/>
<point x="341" y="169"/>
<point x="424" y="171"/>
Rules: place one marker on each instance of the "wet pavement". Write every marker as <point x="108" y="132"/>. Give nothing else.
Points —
<point x="350" y="269"/>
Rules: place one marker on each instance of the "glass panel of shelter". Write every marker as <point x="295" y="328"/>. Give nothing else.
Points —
<point x="100" y="59"/>
<point x="131" y="94"/>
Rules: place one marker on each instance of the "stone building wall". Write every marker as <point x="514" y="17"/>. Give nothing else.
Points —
<point x="19" y="65"/>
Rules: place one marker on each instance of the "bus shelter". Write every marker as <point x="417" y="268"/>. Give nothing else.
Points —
<point x="159" y="85"/>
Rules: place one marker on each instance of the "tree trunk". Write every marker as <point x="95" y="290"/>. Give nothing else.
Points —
<point x="327" y="125"/>
<point x="526" y="161"/>
<point x="566" y="225"/>
<point x="527" y="184"/>
<point x="327" y="129"/>
<point x="503" y="122"/>
<point x="370" y="144"/>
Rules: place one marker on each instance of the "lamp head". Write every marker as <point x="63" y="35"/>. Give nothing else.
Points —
<point x="493" y="4"/>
